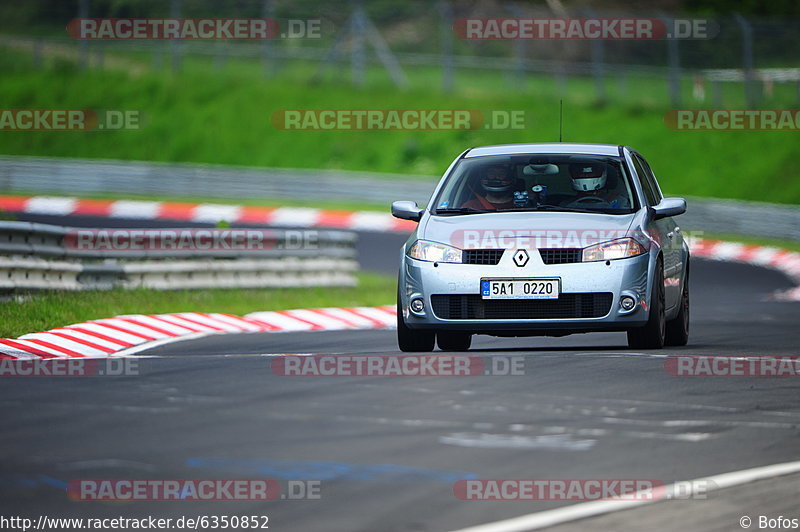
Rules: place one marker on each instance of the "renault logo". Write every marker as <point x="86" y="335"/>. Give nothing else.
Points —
<point x="521" y="258"/>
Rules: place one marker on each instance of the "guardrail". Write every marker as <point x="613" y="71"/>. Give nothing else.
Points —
<point x="735" y="217"/>
<point x="42" y="257"/>
<point x="76" y="177"/>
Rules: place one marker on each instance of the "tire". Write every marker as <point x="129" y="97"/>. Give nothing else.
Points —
<point x="678" y="327"/>
<point x="651" y="335"/>
<point x="411" y="340"/>
<point x="454" y="341"/>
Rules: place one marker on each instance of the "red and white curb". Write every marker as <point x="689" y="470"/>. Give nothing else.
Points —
<point x="127" y="335"/>
<point x="206" y="212"/>
<point x="787" y="262"/>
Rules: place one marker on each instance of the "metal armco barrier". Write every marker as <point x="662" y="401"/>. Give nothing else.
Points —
<point x="76" y="177"/>
<point x="737" y="217"/>
<point x="40" y="257"/>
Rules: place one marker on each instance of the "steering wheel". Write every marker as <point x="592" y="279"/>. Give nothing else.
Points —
<point x="592" y="201"/>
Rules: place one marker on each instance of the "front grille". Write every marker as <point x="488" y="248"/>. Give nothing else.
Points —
<point x="560" y="256"/>
<point x="490" y="257"/>
<point x="473" y="307"/>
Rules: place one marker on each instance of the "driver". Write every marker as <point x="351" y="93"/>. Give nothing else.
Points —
<point x="589" y="180"/>
<point x="497" y="187"/>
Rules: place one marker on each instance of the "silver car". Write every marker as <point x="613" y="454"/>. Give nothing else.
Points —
<point x="544" y="239"/>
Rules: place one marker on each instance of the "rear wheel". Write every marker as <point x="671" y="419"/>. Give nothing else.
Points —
<point x="411" y="340"/>
<point x="651" y="336"/>
<point x="678" y="327"/>
<point x="453" y="341"/>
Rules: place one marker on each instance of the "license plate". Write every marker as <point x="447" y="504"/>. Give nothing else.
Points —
<point x="520" y="288"/>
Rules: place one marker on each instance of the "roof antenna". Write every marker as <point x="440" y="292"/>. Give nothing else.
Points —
<point x="560" y="118"/>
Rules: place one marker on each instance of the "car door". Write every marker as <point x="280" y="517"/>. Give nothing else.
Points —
<point x="669" y="234"/>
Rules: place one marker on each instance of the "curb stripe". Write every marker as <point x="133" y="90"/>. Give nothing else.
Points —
<point x="77" y="334"/>
<point x="126" y="331"/>
<point x="331" y="313"/>
<point x="69" y="341"/>
<point x="207" y="212"/>
<point x="59" y="352"/>
<point x="199" y="322"/>
<point x="133" y="320"/>
<point x="18" y="346"/>
<point x="83" y="328"/>
<point x="288" y="314"/>
<point x="171" y="320"/>
<point x="90" y="345"/>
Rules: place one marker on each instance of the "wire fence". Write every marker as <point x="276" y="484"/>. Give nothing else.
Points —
<point x="742" y="59"/>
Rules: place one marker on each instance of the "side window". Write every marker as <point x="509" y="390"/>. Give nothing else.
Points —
<point x="653" y="181"/>
<point x="646" y="180"/>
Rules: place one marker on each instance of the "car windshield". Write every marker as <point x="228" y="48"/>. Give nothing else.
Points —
<point x="557" y="182"/>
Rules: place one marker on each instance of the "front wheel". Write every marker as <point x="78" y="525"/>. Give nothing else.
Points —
<point x="410" y="340"/>
<point x="454" y="341"/>
<point x="651" y="336"/>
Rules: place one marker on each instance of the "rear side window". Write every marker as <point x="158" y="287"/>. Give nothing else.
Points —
<point x="652" y="178"/>
<point x="646" y="178"/>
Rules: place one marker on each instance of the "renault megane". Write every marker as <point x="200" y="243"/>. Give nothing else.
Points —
<point x="544" y="239"/>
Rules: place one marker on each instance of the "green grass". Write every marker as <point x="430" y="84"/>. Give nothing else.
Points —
<point x="223" y="117"/>
<point x="43" y="311"/>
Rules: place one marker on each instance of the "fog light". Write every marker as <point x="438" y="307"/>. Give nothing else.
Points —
<point x="417" y="305"/>
<point x="627" y="302"/>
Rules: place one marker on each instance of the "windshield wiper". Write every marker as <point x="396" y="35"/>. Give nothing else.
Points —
<point x="461" y="210"/>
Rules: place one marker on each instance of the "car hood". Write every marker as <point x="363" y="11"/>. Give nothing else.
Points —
<point x="525" y="229"/>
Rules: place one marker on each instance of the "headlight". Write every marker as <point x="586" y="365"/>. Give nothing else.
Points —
<point x="613" y="249"/>
<point x="433" y="252"/>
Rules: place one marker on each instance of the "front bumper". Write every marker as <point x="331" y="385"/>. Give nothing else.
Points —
<point x="630" y="276"/>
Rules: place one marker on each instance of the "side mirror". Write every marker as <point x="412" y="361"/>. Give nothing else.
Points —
<point x="407" y="210"/>
<point x="669" y="207"/>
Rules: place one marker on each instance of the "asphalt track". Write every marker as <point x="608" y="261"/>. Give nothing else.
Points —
<point x="388" y="450"/>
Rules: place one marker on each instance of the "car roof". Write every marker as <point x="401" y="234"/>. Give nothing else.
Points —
<point x="566" y="148"/>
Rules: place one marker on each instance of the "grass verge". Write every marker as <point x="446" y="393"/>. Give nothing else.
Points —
<point x="226" y="118"/>
<point x="47" y="310"/>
